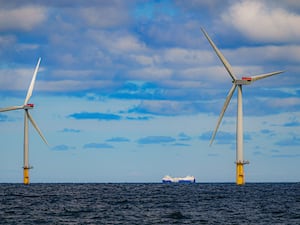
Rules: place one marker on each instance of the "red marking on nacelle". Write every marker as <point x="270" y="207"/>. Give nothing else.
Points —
<point x="30" y="105"/>
<point x="247" y="78"/>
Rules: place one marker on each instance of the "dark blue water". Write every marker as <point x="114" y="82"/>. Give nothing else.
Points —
<point x="274" y="203"/>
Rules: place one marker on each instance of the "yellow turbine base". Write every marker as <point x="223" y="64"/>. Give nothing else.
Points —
<point x="240" y="176"/>
<point x="26" y="176"/>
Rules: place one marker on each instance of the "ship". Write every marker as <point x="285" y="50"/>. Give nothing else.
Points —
<point x="187" y="179"/>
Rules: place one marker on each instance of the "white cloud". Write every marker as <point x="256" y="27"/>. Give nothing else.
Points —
<point x="143" y="59"/>
<point x="151" y="73"/>
<point x="72" y="74"/>
<point x="286" y="103"/>
<point x="128" y="43"/>
<point x="24" y="18"/>
<point x="105" y="16"/>
<point x="117" y="42"/>
<point x="179" y="85"/>
<point x="6" y="40"/>
<point x="186" y="56"/>
<point x="262" y="22"/>
<point x="66" y="80"/>
<point x="267" y="54"/>
<point x="74" y="85"/>
<point x="15" y="79"/>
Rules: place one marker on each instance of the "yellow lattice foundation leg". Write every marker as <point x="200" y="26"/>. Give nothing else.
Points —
<point x="240" y="176"/>
<point x="26" y="176"/>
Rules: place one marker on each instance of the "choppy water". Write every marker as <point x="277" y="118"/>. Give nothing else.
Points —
<point x="273" y="203"/>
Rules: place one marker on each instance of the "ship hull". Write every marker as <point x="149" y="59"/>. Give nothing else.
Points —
<point x="187" y="179"/>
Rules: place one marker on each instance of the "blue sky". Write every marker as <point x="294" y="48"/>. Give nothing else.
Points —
<point x="130" y="91"/>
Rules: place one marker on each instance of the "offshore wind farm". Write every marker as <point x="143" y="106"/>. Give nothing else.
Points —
<point x="129" y="95"/>
<point x="130" y="91"/>
<point x="237" y="83"/>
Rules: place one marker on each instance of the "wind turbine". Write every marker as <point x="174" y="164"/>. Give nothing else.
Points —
<point x="237" y="83"/>
<point x="26" y="106"/>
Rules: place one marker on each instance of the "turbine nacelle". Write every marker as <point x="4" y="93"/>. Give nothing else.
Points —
<point x="28" y="106"/>
<point x="243" y="81"/>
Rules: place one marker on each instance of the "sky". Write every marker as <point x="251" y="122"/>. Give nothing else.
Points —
<point x="131" y="91"/>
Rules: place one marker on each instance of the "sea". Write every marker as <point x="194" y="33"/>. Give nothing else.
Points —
<point x="150" y="203"/>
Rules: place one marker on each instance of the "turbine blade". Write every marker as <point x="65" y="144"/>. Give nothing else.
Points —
<point x="221" y="56"/>
<point x="228" y="98"/>
<point x="30" y="89"/>
<point x="36" y="127"/>
<point x="262" y="76"/>
<point x="11" y="108"/>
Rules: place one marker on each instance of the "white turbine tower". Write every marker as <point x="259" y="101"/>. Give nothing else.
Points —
<point x="26" y="106"/>
<point x="237" y="83"/>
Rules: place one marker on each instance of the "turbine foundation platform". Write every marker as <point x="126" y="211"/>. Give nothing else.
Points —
<point x="26" y="175"/>
<point x="240" y="174"/>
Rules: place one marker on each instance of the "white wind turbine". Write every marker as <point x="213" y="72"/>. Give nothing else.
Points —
<point x="26" y="106"/>
<point x="237" y="83"/>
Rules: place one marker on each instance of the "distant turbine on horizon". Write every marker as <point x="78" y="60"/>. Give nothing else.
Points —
<point x="237" y="83"/>
<point x="26" y="106"/>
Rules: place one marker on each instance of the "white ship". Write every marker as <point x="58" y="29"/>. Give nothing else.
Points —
<point x="187" y="179"/>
